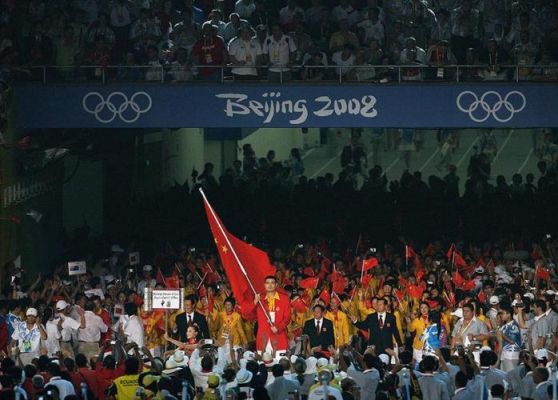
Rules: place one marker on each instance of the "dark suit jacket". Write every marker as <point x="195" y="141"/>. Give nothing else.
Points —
<point x="325" y="338"/>
<point x="382" y="339"/>
<point x="199" y="320"/>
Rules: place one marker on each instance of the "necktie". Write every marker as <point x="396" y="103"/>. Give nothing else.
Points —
<point x="189" y="319"/>
<point x="381" y="321"/>
<point x="318" y="327"/>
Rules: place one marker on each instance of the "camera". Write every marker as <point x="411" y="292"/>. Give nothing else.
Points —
<point x="372" y="250"/>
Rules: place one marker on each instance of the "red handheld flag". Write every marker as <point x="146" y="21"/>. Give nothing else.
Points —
<point x="309" y="283"/>
<point x="246" y="266"/>
<point x="369" y="264"/>
<point x="325" y="297"/>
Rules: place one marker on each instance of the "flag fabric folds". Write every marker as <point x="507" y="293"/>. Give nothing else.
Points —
<point x="244" y="264"/>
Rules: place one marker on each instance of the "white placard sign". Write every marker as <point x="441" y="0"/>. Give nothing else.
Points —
<point x="166" y="299"/>
<point x="76" y="268"/>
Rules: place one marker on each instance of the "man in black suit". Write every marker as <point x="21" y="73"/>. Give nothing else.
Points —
<point x="382" y="328"/>
<point x="191" y="317"/>
<point x="319" y="331"/>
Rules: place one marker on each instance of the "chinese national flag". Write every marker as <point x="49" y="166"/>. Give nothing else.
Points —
<point x="369" y="264"/>
<point x="340" y="285"/>
<point x="252" y="260"/>
<point x="455" y="257"/>
<point x="415" y="291"/>
<point x="325" y="296"/>
<point x="172" y="282"/>
<point x="366" y="280"/>
<point x="309" y="283"/>
<point x="462" y="283"/>
<point x="299" y="305"/>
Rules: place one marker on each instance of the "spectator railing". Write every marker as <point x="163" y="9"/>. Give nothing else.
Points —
<point x="295" y="73"/>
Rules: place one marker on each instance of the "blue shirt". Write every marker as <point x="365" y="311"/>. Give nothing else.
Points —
<point x="511" y="331"/>
<point x="12" y="320"/>
<point x="431" y="339"/>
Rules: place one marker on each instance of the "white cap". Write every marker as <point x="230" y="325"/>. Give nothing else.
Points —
<point x="384" y="358"/>
<point x="109" y="278"/>
<point x="515" y="303"/>
<point x="479" y="270"/>
<point x="116" y="249"/>
<point x="31" y="312"/>
<point x="61" y="305"/>
<point x="458" y="313"/>
<point x="268" y="359"/>
<point x="494" y="300"/>
<point x="550" y="292"/>
<point x="147" y="267"/>
<point x="541" y="353"/>
<point x="529" y="295"/>
<point x="322" y="362"/>
<point x="248" y="355"/>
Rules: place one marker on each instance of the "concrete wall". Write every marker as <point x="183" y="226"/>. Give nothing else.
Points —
<point x="282" y="140"/>
<point x="83" y="195"/>
<point x="183" y="149"/>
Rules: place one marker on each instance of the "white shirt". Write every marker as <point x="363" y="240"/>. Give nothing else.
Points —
<point x="279" y="51"/>
<point x="420" y="56"/>
<point x="65" y="387"/>
<point x="52" y="343"/>
<point x="200" y="377"/>
<point x="29" y="340"/>
<point x="372" y="30"/>
<point x="247" y="51"/>
<point x="68" y="325"/>
<point x="133" y="329"/>
<point x="143" y="283"/>
<point x="318" y="393"/>
<point x="319" y="321"/>
<point x="94" y="325"/>
<point x="343" y="65"/>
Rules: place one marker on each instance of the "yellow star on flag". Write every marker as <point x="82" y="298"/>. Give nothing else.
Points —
<point x="225" y="249"/>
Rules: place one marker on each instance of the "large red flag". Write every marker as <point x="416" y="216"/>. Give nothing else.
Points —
<point x="243" y="263"/>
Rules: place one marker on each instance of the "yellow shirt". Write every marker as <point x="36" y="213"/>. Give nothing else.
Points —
<point x="418" y="325"/>
<point x="126" y="387"/>
<point x="231" y="324"/>
<point x="341" y="326"/>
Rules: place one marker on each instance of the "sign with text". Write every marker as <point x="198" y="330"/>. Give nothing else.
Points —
<point x="166" y="299"/>
<point x="521" y="105"/>
<point x="77" y="268"/>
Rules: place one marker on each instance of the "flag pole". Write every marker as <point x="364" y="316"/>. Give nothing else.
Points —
<point x="235" y="255"/>
<point x="406" y="256"/>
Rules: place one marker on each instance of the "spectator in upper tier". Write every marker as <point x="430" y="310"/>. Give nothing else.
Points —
<point x="245" y="54"/>
<point x="101" y="28"/>
<point x="216" y="18"/>
<point x="280" y="50"/>
<point x="372" y="27"/>
<point x="210" y="50"/>
<point x="232" y="27"/>
<point x="145" y="28"/>
<point x="245" y="8"/>
<point x="343" y="37"/>
<point x="411" y="47"/>
<point x="464" y="29"/>
<point x="344" y="11"/>
<point x="288" y="13"/>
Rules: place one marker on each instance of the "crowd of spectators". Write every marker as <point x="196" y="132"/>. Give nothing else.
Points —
<point x="182" y="40"/>
<point x="475" y="322"/>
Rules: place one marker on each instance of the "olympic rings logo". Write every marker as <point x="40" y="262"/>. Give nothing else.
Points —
<point x="118" y="105"/>
<point x="490" y="104"/>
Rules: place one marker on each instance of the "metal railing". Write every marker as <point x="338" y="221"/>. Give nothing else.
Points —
<point x="293" y="73"/>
